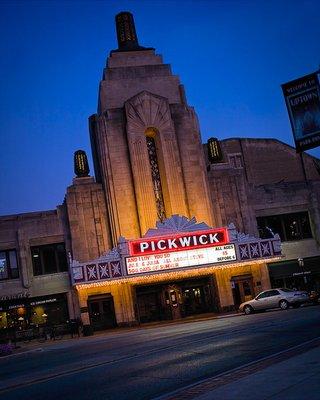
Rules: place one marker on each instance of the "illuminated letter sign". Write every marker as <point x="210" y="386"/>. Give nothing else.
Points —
<point x="181" y="259"/>
<point x="214" y="151"/>
<point x="182" y="241"/>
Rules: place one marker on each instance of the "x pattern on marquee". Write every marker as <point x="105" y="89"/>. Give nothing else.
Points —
<point x="115" y="264"/>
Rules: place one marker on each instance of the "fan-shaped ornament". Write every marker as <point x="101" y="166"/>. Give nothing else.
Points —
<point x="176" y="224"/>
<point x="146" y="110"/>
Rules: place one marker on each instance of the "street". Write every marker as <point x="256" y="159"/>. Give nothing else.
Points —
<point x="146" y="362"/>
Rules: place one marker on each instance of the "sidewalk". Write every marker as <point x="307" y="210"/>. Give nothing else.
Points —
<point x="297" y="377"/>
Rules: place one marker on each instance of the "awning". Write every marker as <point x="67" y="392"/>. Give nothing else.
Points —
<point x="291" y="268"/>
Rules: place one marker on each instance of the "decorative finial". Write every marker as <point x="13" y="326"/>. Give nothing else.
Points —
<point x="126" y="32"/>
<point x="81" y="166"/>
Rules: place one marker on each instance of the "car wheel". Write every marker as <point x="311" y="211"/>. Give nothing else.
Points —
<point x="283" y="304"/>
<point x="248" y="310"/>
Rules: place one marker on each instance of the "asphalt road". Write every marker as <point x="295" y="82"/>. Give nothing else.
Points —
<point x="144" y="363"/>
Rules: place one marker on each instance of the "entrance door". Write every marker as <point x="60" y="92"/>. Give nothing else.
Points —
<point x="195" y="300"/>
<point x="101" y="312"/>
<point x="149" y="306"/>
<point x="173" y="298"/>
<point x="242" y="289"/>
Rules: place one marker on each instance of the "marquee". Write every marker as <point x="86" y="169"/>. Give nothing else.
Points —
<point x="180" y="259"/>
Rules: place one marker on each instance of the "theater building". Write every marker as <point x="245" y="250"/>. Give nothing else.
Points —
<point x="163" y="230"/>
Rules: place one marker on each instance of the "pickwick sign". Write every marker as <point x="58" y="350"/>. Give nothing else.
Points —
<point x="180" y="242"/>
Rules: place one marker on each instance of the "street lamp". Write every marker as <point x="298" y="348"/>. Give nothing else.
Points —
<point x="301" y="265"/>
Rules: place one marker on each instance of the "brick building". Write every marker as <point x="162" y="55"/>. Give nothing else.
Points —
<point x="263" y="184"/>
<point x="157" y="233"/>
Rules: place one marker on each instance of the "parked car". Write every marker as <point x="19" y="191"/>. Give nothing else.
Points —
<point x="273" y="298"/>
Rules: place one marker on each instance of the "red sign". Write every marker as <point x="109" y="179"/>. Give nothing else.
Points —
<point x="183" y="241"/>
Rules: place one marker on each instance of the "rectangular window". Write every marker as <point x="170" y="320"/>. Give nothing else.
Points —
<point x="8" y="265"/>
<point x="295" y="226"/>
<point x="49" y="259"/>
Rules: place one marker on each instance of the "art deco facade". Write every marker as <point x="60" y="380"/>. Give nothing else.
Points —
<point x="154" y="183"/>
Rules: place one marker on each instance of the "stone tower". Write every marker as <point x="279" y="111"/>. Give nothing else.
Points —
<point x="145" y="140"/>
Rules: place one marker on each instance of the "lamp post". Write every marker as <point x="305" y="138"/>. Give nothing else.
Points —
<point x="301" y="265"/>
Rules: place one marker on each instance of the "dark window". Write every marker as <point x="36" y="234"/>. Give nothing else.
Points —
<point x="273" y="293"/>
<point x="246" y="288"/>
<point x="262" y="295"/>
<point x="295" y="226"/>
<point x="49" y="259"/>
<point x="287" y="290"/>
<point x="156" y="180"/>
<point x="8" y="265"/>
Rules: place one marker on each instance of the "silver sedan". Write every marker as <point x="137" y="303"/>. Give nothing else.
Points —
<point x="274" y="298"/>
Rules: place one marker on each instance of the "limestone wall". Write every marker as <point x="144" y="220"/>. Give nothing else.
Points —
<point x="20" y="232"/>
<point x="139" y="92"/>
<point x="87" y="219"/>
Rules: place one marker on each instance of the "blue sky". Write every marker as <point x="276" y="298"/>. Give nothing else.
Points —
<point x="232" y="57"/>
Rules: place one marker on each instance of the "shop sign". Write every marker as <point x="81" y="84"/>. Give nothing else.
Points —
<point x="301" y="273"/>
<point x="180" y="259"/>
<point x="180" y="242"/>
<point x="44" y="301"/>
<point x="13" y="306"/>
<point x="302" y="98"/>
<point x="21" y="295"/>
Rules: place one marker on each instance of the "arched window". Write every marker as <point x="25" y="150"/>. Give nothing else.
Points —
<point x="155" y="173"/>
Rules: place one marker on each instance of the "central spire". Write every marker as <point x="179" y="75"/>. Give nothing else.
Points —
<point x="126" y="32"/>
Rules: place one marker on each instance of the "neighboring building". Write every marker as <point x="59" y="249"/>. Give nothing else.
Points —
<point x="156" y="234"/>
<point x="34" y="278"/>
<point x="263" y="185"/>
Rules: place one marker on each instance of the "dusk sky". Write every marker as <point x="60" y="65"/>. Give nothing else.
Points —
<point x="232" y="57"/>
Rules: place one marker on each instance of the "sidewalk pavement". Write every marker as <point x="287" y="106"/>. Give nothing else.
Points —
<point x="297" y="377"/>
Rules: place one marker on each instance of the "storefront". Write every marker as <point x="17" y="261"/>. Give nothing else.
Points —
<point x="302" y="274"/>
<point x="19" y="312"/>
<point x="173" y="275"/>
